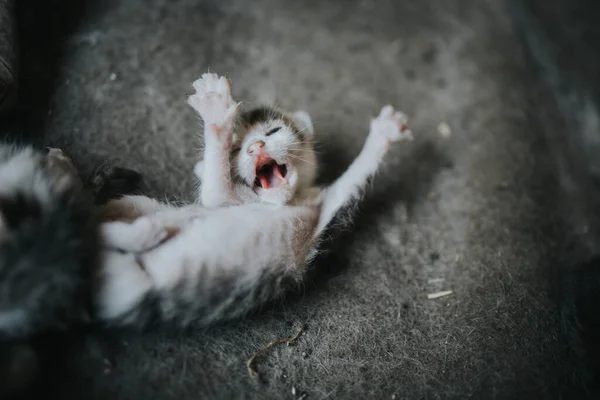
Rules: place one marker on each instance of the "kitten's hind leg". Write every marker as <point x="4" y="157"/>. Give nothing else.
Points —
<point x="141" y="235"/>
<point x="124" y="285"/>
<point x="130" y="207"/>
<point x="389" y="126"/>
<point x="213" y="102"/>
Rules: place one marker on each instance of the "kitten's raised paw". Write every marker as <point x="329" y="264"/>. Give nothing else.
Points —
<point x="147" y="235"/>
<point x="391" y="124"/>
<point x="213" y="101"/>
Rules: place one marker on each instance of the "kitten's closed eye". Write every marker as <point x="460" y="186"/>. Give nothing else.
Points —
<point x="235" y="150"/>
<point x="272" y="131"/>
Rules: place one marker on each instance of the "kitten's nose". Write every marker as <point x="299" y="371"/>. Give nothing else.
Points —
<point x="256" y="147"/>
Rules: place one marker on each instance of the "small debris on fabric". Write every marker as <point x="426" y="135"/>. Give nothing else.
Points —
<point x="444" y="130"/>
<point x="107" y="371"/>
<point x="436" y="280"/>
<point x="293" y="390"/>
<point x="113" y="77"/>
<point x="437" y="295"/>
<point x="288" y="341"/>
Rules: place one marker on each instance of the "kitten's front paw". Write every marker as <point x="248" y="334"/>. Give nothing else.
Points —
<point x="213" y="101"/>
<point x="147" y="234"/>
<point x="390" y="125"/>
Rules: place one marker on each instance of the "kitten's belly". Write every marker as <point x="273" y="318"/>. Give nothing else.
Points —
<point x="247" y="238"/>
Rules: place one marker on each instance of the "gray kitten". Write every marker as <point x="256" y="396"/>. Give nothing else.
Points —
<point x="49" y="243"/>
<point x="49" y="251"/>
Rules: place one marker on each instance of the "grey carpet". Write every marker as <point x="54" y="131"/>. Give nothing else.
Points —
<point x="8" y="55"/>
<point x="476" y="211"/>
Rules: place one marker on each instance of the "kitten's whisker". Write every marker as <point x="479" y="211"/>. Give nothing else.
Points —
<point x="301" y="159"/>
<point x="303" y="129"/>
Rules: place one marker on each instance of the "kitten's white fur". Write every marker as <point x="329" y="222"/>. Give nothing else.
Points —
<point x="233" y="252"/>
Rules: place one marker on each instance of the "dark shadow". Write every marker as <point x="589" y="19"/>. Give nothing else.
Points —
<point x="410" y="184"/>
<point x="562" y="39"/>
<point x="42" y="28"/>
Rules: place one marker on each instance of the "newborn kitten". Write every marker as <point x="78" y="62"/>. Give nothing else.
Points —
<point x="236" y="251"/>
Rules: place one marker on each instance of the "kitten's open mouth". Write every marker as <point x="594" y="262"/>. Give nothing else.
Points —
<point x="269" y="174"/>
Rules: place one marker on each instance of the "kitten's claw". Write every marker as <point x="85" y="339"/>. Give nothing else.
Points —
<point x="213" y="101"/>
<point x="391" y="125"/>
<point x="148" y="234"/>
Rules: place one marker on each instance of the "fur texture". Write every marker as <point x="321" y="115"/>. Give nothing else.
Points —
<point x="49" y="251"/>
<point x="232" y="254"/>
<point x="48" y="244"/>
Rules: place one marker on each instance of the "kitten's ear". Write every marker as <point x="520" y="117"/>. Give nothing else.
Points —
<point x="304" y="122"/>
<point x="199" y="170"/>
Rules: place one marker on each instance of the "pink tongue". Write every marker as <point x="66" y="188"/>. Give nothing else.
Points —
<point x="278" y="173"/>
<point x="272" y="180"/>
<point x="264" y="182"/>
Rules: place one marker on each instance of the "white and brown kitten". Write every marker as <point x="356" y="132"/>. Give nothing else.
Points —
<point x="249" y="240"/>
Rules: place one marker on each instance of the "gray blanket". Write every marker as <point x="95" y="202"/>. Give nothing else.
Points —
<point x="470" y="207"/>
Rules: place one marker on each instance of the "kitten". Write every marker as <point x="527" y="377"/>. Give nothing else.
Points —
<point x="49" y="249"/>
<point x="235" y="251"/>
<point x="49" y="244"/>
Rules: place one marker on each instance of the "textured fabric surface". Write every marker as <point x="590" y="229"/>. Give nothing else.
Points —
<point x="552" y="30"/>
<point x="473" y="210"/>
<point x="8" y="54"/>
